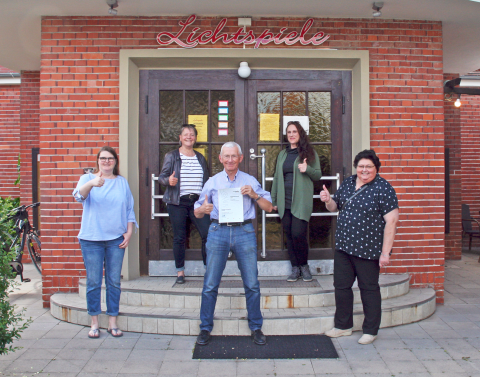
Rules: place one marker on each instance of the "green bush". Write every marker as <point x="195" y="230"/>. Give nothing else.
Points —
<point x="11" y="323"/>
<point x="6" y="205"/>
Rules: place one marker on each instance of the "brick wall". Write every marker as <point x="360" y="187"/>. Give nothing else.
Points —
<point x="453" y="240"/>
<point x="470" y="150"/>
<point x="79" y="114"/>
<point x="9" y="138"/>
<point x="30" y="129"/>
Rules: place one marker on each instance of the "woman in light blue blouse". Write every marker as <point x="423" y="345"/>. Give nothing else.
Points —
<point x="107" y="225"/>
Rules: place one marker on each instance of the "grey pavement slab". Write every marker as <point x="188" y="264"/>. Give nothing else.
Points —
<point x="140" y="367"/>
<point x="255" y="367"/>
<point x="445" y="344"/>
<point x="294" y="367"/>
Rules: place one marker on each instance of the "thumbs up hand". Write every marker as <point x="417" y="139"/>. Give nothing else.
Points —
<point x="325" y="195"/>
<point x="206" y="207"/>
<point x="172" y="181"/>
<point x="98" y="181"/>
<point x="303" y="166"/>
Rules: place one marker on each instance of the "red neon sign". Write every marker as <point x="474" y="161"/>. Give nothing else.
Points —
<point x="240" y="36"/>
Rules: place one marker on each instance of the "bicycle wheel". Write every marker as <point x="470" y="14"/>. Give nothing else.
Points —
<point x="35" y="251"/>
<point x="15" y="245"/>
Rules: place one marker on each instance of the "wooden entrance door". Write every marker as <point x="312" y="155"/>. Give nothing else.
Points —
<point x="325" y="97"/>
<point x="168" y="98"/>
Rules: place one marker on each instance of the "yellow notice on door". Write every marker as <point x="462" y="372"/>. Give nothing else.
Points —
<point x="269" y="127"/>
<point x="201" y="124"/>
<point x="202" y="150"/>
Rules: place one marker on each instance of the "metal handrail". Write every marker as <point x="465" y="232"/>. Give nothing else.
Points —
<point x="153" y="213"/>
<point x="264" y="179"/>
<point x="253" y="156"/>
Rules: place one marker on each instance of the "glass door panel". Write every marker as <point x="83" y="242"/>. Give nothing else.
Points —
<point x="294" y="104"/>
<point x="319" y="106"/>
<point x="171" y="114"/>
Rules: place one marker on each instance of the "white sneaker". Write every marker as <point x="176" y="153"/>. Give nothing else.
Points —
<point x="367" y="339"/>
<point x="335" y="333"/>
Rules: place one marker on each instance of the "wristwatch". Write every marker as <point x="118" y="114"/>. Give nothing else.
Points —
<point x="258" y="198"/>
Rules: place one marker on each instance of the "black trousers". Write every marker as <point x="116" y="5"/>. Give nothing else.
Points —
<point x="297" y="242"/>
<point x="367" y="271"/>
<point x="178" y="218"/>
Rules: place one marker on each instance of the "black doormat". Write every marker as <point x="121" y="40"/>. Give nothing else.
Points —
<point x="277" y="347"/>
<point x="263" y="284"/>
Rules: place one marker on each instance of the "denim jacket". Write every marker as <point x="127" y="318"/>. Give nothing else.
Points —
<point x="173" y="163"/>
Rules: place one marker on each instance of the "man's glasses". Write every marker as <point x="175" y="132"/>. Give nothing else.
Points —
<point x="230" y="157"/>
<point x="105" y="159"/>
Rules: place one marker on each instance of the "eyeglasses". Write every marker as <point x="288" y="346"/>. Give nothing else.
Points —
<point x="368" y="167"/>
<point x="230" y="157"/>
<point x="109" y="159"/>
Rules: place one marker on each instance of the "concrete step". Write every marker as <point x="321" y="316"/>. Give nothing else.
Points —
<point x="414" y="306"/>
<point x="160" y="292"/>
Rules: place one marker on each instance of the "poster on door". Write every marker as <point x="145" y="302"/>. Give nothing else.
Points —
<point x="269" y="127"/>
<point x="201" y="124"/>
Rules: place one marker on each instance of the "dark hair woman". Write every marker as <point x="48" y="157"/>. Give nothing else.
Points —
<point x="107" y="225"/>
<point x="297" y="168"/>
<point x="366" y="227"/>
<point x="184" y="173"/>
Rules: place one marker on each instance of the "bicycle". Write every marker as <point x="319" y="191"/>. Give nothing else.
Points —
<point x="25" y="234"/>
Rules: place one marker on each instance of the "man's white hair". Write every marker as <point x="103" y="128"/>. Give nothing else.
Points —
<point x="231" y="144"/>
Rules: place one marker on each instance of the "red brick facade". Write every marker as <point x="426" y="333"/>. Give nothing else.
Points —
<point x="9" y="138"/>
<point x="79" y="114"/>
<point x="470" y="147"/>
<point x="30" y="129"/>
<point x="453" y="239"/>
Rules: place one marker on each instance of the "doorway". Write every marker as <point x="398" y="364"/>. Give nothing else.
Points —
<point x="172" y="98"/>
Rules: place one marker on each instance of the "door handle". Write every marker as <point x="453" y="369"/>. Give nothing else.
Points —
<point x="253" y="156"/>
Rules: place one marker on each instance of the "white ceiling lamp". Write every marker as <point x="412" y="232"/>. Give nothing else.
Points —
<point x="112" y="4"/>
<point x="376" y="8"/>
<point x="244" y="70"/>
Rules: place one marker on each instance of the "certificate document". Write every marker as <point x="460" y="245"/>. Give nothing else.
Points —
<point x="230" y="205"/>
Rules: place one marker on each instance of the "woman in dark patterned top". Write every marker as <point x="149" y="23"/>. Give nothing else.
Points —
<point x="366" y="227"/>
<point x="292" y="195"/>
<point x="184" y="172"/>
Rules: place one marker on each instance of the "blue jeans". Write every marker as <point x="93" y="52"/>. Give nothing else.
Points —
<point x="243" y="242"/>
<point x="96" y="254"/>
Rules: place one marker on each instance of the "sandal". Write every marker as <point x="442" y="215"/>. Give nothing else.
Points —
<point x="115" y="332"/>
<point x="95" y="335"/>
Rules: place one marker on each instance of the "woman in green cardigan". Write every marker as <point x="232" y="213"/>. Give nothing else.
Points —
<point x="292" y="195"/>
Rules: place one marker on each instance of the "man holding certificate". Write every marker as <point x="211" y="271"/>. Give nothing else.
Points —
<point x="229" y="198"/>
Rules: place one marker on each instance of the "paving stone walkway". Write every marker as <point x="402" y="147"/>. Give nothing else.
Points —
<point x="446" y="344"/>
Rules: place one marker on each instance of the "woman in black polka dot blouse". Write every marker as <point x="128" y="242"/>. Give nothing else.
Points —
<point x="366" y="227"/>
